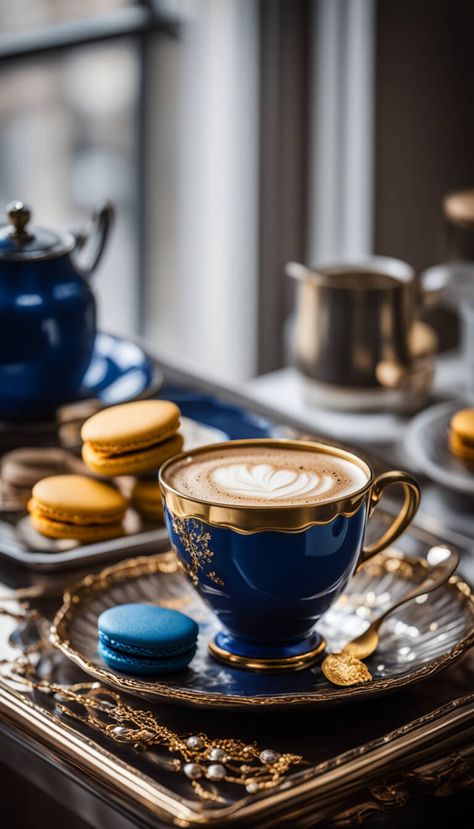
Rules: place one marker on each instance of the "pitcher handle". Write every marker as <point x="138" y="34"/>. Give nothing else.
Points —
<point x="405" y="516"/>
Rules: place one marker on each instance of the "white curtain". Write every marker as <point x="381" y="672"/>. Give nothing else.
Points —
<point x="341" y="140"/>
<point x="202" y="286"/>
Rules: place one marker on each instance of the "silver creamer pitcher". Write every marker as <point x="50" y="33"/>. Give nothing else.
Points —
<point x="358" y="341"/>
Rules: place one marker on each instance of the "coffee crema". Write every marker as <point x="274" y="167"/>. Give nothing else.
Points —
<point x="262" y="476"/>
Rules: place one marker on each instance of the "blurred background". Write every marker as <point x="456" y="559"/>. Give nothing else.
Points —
<point x="233" y="136"/>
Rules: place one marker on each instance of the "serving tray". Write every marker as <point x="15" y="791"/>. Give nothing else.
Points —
<point x="358" y="760"/>
<point x="338" y="787"/>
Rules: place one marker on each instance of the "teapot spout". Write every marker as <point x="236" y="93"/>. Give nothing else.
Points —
<point x="93" y="239"/>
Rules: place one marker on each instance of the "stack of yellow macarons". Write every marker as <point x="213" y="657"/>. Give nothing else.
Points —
<point x="461" y="435"/>
<point x="77" y="507"/>
<point x="134" y="439"/>
<point x="131" y="439"/>
<point x="146" y="498"/>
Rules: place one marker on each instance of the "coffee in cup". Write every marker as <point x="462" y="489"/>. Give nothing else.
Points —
<point x="266" y="475"/>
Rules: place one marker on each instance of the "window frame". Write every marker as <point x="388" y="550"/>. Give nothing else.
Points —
<point x="143" y="21"/>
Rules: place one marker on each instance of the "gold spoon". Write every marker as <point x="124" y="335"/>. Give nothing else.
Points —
<point x="345" y="668"/>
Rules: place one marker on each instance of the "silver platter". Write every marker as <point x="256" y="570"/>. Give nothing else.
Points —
<point x="20" y="542"/>
<point x="419" y="640"/>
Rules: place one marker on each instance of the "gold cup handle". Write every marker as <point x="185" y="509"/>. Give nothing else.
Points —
<point x="405" y="516"/>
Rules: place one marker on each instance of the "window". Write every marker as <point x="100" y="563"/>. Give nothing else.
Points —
<point x="103" y="99"/>
<point x="233" y="136"/>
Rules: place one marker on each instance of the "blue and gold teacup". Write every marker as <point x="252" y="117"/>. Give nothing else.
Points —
<point x="270" y="572"/>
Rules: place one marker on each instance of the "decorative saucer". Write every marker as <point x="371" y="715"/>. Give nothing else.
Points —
<point x="426" y="443"/>
<point x="419" y="640"/>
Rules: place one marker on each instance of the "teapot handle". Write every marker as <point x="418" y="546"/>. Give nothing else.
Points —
<point x="94" y="235"/>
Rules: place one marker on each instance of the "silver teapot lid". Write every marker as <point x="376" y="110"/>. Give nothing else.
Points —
<point x="19" y="240"/>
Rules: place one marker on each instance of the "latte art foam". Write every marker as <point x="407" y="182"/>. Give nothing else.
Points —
<point x="259" y="475"/>
<point x="264" y="481"/>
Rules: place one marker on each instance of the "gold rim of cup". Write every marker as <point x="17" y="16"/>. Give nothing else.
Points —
<point x="272" y="517"/>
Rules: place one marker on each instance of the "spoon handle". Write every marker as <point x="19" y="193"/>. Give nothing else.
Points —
<point x="435" y="578"/>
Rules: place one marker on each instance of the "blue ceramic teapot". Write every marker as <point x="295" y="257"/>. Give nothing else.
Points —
<point x="47" y="311"/>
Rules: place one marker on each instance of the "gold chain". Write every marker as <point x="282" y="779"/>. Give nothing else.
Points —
<point x="202" y="760"/>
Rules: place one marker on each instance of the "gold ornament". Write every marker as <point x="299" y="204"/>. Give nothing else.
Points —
<point x="345" y="669"/>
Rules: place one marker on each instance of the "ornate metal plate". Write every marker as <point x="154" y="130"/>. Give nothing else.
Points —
<point x="20" y="542"/>
<point x="419" y="640"/>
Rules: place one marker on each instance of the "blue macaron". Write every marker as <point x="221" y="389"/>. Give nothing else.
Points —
<point x="145" y="639"/>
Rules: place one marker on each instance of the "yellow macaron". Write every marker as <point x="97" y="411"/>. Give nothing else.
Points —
<point x="77" y="507"/>
<point x="146" y="499"/>
<point x="131" y="438"/>
<point x="461" y="435"/>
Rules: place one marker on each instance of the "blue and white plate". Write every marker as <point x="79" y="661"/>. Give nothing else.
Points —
<point x="119" y="371"/>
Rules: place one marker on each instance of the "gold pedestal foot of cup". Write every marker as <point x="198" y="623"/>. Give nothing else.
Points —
<point x="271" y="665"/>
